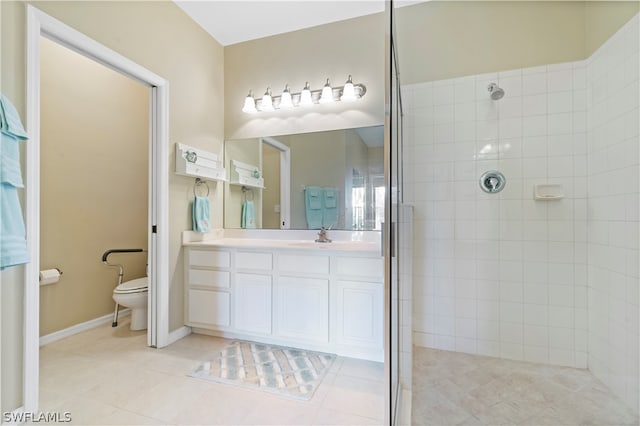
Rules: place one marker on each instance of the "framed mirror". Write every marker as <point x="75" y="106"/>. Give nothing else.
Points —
<point x="304" y="181"/>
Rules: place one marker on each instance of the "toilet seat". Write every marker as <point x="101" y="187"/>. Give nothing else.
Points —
<point x="139" y="285"/>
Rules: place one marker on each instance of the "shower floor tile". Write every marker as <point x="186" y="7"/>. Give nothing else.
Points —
<point x="451" y="388"/>
<point x="109" y="376"/>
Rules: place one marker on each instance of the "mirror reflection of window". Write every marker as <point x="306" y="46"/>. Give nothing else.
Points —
<point x="379" y="207"/>
<point x="358" y="201"/>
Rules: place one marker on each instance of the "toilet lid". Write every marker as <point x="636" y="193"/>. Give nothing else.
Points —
<point x="138" y="285"/>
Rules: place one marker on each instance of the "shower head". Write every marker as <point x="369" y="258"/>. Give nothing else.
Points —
<point x="495" y="92"/>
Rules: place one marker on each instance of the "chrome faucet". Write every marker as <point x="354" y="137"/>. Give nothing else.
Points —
<point x="322" y="235"/>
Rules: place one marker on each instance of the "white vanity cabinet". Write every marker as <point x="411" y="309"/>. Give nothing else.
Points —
<point x="358" y="302"/>
<point x="208" y="295"/>
<point x="326" y="300"/>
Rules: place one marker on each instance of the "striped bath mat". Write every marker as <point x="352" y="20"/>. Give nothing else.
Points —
<point x="285" y="371"/>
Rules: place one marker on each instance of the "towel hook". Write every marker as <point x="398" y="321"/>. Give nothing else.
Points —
<point x="245" y="191"/>
<point x="197" y="184"/>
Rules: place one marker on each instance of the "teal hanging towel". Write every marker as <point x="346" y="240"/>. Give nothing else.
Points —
<point x="201" y="214"/>
<point x="13" y="243"/>
<point x="248" y="220"/>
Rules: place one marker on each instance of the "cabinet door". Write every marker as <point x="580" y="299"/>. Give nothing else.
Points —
<point x="359" y="313"/>
<point x="209" y="308"/>
<point x="252" y="303"/>
<point x="302" y="308"/>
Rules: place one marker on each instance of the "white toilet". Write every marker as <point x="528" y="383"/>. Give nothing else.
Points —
<point x="134" y="294"/>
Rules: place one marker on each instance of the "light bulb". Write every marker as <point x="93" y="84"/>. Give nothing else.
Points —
<point x="327" y="94"/>
<point x="267" y="102"/>
<point x="285" y="98"/>
<point x="249" y="104"/>
<point x="348" y="91"/>
<point x="305" y="96"/>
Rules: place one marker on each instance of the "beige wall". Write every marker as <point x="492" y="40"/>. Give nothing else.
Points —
<point x="161" y="38"/>
<point x="94" y="183"/>
<point x="604" y="18"/>
<point x="445" y="39"/>
<point x="354" y="46"/>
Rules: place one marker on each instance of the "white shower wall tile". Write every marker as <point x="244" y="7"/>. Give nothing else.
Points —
<point x="612" y="141"/>
<point x="511" y="257"/>
<point x="538" y="132"/>
<point x="505" y="275"/>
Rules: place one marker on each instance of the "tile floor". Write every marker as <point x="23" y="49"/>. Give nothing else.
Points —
<point x="452" y="388"/>
<point x="108" y="376"/>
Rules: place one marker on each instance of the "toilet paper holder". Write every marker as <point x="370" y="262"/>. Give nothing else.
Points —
<point x="50" y="276"/>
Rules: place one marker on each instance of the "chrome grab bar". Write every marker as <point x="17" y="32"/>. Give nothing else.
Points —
<point x="105" y="260"/>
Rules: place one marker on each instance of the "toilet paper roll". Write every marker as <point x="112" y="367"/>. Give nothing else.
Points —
<point x="49" y="276"/>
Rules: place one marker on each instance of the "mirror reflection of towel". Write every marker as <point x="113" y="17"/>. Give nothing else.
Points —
<point x="248" y="219"/>
<point x="201" y="214"/>
<point x="330" y="204"/>
<point x="313" y="206"/>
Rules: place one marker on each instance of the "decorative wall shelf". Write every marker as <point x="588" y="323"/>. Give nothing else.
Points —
<point x="245" y="174"/>
<point x="196" y="162"/>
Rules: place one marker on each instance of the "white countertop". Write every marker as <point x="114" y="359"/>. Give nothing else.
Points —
<point x="218" y="239"/>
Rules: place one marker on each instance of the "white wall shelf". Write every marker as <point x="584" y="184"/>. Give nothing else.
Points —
<point x="246" y="175"/>
<point x="196" y="162"/>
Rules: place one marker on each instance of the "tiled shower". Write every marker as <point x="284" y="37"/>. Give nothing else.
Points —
<point x="506" y="275"/>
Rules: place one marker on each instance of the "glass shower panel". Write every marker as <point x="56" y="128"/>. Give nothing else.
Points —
<point x="394" y="198"/>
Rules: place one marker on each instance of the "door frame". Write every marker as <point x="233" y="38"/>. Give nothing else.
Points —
<point x="285" y="179"/>
<point x="40" y="24"/>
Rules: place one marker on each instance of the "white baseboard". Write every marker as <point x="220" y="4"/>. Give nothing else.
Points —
<point x="178" y="334"/>
<point x="78" y="328"/>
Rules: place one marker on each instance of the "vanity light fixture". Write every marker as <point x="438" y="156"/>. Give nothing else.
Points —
<point x="249" y="104"/>
<point x="348" y="91"/>
<point x="285" y="99"/>
<point x="266" y="104"/>
<point x="306" y="97"/>
<point x="327" y="94"/>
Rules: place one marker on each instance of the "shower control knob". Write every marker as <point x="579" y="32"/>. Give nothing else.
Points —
<point x="492" y="181"/>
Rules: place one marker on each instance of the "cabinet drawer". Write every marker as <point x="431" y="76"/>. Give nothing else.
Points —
<point x="360" y="267"/>
<point x="253" y="279"/>
<point x="209" y="307"/>
<point x="209" y="278"/>
<point x="209" y="258"/>
<point x="256" y="261"/>
<point x="304" y="264"/>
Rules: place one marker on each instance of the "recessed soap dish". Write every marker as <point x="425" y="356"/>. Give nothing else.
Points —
<point x="548" y="192"/>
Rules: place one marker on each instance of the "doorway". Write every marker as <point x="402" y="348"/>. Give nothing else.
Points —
<point x="40" y="24"/>
<point x="94" y="185"/>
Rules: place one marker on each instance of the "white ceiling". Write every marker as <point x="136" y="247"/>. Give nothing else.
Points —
<point x="231" y="22"/>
